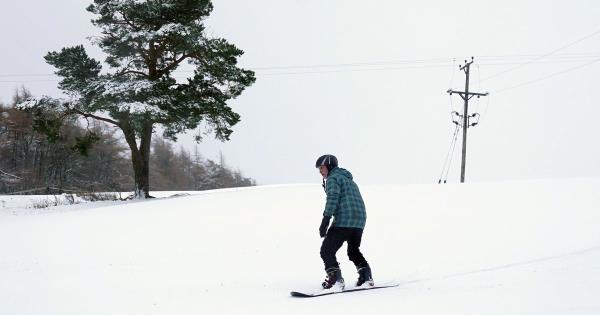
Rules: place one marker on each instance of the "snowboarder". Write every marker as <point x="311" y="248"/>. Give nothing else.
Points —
<point x="346" y="205"/>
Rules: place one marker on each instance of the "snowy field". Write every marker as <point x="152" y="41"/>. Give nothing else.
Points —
<point x="492" y="248"/>
<point x="39" y="204"/>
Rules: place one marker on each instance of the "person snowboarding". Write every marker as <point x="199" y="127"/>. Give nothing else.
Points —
<point x="346" y="206"/>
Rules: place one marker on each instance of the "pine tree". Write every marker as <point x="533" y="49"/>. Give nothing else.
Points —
<point x="145" y="42"/>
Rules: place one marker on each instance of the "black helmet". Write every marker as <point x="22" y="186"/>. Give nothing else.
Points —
<point x="328" y="160"/>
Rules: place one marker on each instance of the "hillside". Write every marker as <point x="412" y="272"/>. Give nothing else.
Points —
<point x="491" y="248"/>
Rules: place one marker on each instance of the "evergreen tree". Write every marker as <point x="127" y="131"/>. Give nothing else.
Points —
<point x="178" y="171"/>
<point x="145" y="41"/>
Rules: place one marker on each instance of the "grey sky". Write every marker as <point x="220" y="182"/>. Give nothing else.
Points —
<point x="387" y="123"/>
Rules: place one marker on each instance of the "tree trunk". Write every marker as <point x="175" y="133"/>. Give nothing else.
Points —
<point x="140" y="158"/>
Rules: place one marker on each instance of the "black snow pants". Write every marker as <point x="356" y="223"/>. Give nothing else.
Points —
<point x="336" y="236"/>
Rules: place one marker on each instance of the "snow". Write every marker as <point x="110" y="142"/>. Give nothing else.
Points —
<point x="490" y="248"/>
<point x="59" y="104"/>
<point x="168" y="29"/>
<point x="140" y="108"/>
<point x="164" y="30"/>
<point x="134" y="85"/>
<point x="40" y="204"/>
<point x="110" y="89"/>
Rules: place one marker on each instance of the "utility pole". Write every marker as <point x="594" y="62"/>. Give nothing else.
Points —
<point x="466" y="96"/>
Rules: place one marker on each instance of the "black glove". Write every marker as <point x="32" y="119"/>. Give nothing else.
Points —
<point x="324" y="226"/>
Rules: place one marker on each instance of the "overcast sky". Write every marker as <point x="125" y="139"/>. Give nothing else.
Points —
<point x="370" y="84"/>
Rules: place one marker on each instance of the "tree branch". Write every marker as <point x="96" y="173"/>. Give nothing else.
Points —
<point x="129" y="22"/>
<point x="173" y="65"/>
<point x="133" y="72"/>
<point x="86" y="115"/>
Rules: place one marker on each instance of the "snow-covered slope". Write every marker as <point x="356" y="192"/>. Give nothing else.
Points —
<point x="494" y="248"/>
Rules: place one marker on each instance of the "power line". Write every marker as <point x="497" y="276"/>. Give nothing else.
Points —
<point x="530" y="56"/>
<point x="26" y="75"/>
<point x="452" y="84"/>
<point x="542" y="56"/>
<point x="495" y="58"/>
<point x="295" y="72"/>
<point x="30" y="81"/>
<point x="479" y="87"/>
<point x="356" y="64"/>
<point x="487" y="106"/>
<point x="449" y="155"/>
<point x="547" y="77"/>
<point x="592" y="58"/>
<point x="354" y="70"/>
<point x="416" y="63"/>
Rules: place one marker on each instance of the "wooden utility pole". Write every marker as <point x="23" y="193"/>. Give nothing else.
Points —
<point x="466" y="96"/>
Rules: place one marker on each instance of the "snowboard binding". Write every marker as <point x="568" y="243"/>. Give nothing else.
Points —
<point x="333" y="279"/>
<point x="365" y="277"/>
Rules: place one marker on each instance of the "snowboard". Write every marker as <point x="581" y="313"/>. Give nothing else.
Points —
<point x="346" y="290"/>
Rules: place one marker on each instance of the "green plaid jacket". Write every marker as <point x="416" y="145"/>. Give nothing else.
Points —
<point x="344" y="201"/>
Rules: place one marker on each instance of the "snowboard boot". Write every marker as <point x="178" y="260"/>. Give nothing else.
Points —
<point x="365" y="276"/>
<point x="333" y="279"/>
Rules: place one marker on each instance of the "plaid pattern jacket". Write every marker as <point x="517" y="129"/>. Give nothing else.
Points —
<point x="344" y="201"/>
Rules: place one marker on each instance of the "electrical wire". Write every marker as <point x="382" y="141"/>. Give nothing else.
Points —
<point x="356" y="64"/>
<point x="487" y="106"/>
<point x="449" y="155"/>
<point x="479" y="88"/>
<point x="453" y="73"/>
<point x="546" y="77"/>
<point x="380" y="65"/>
<point x="353" y="70"/>
<point x="543" y="56"/>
